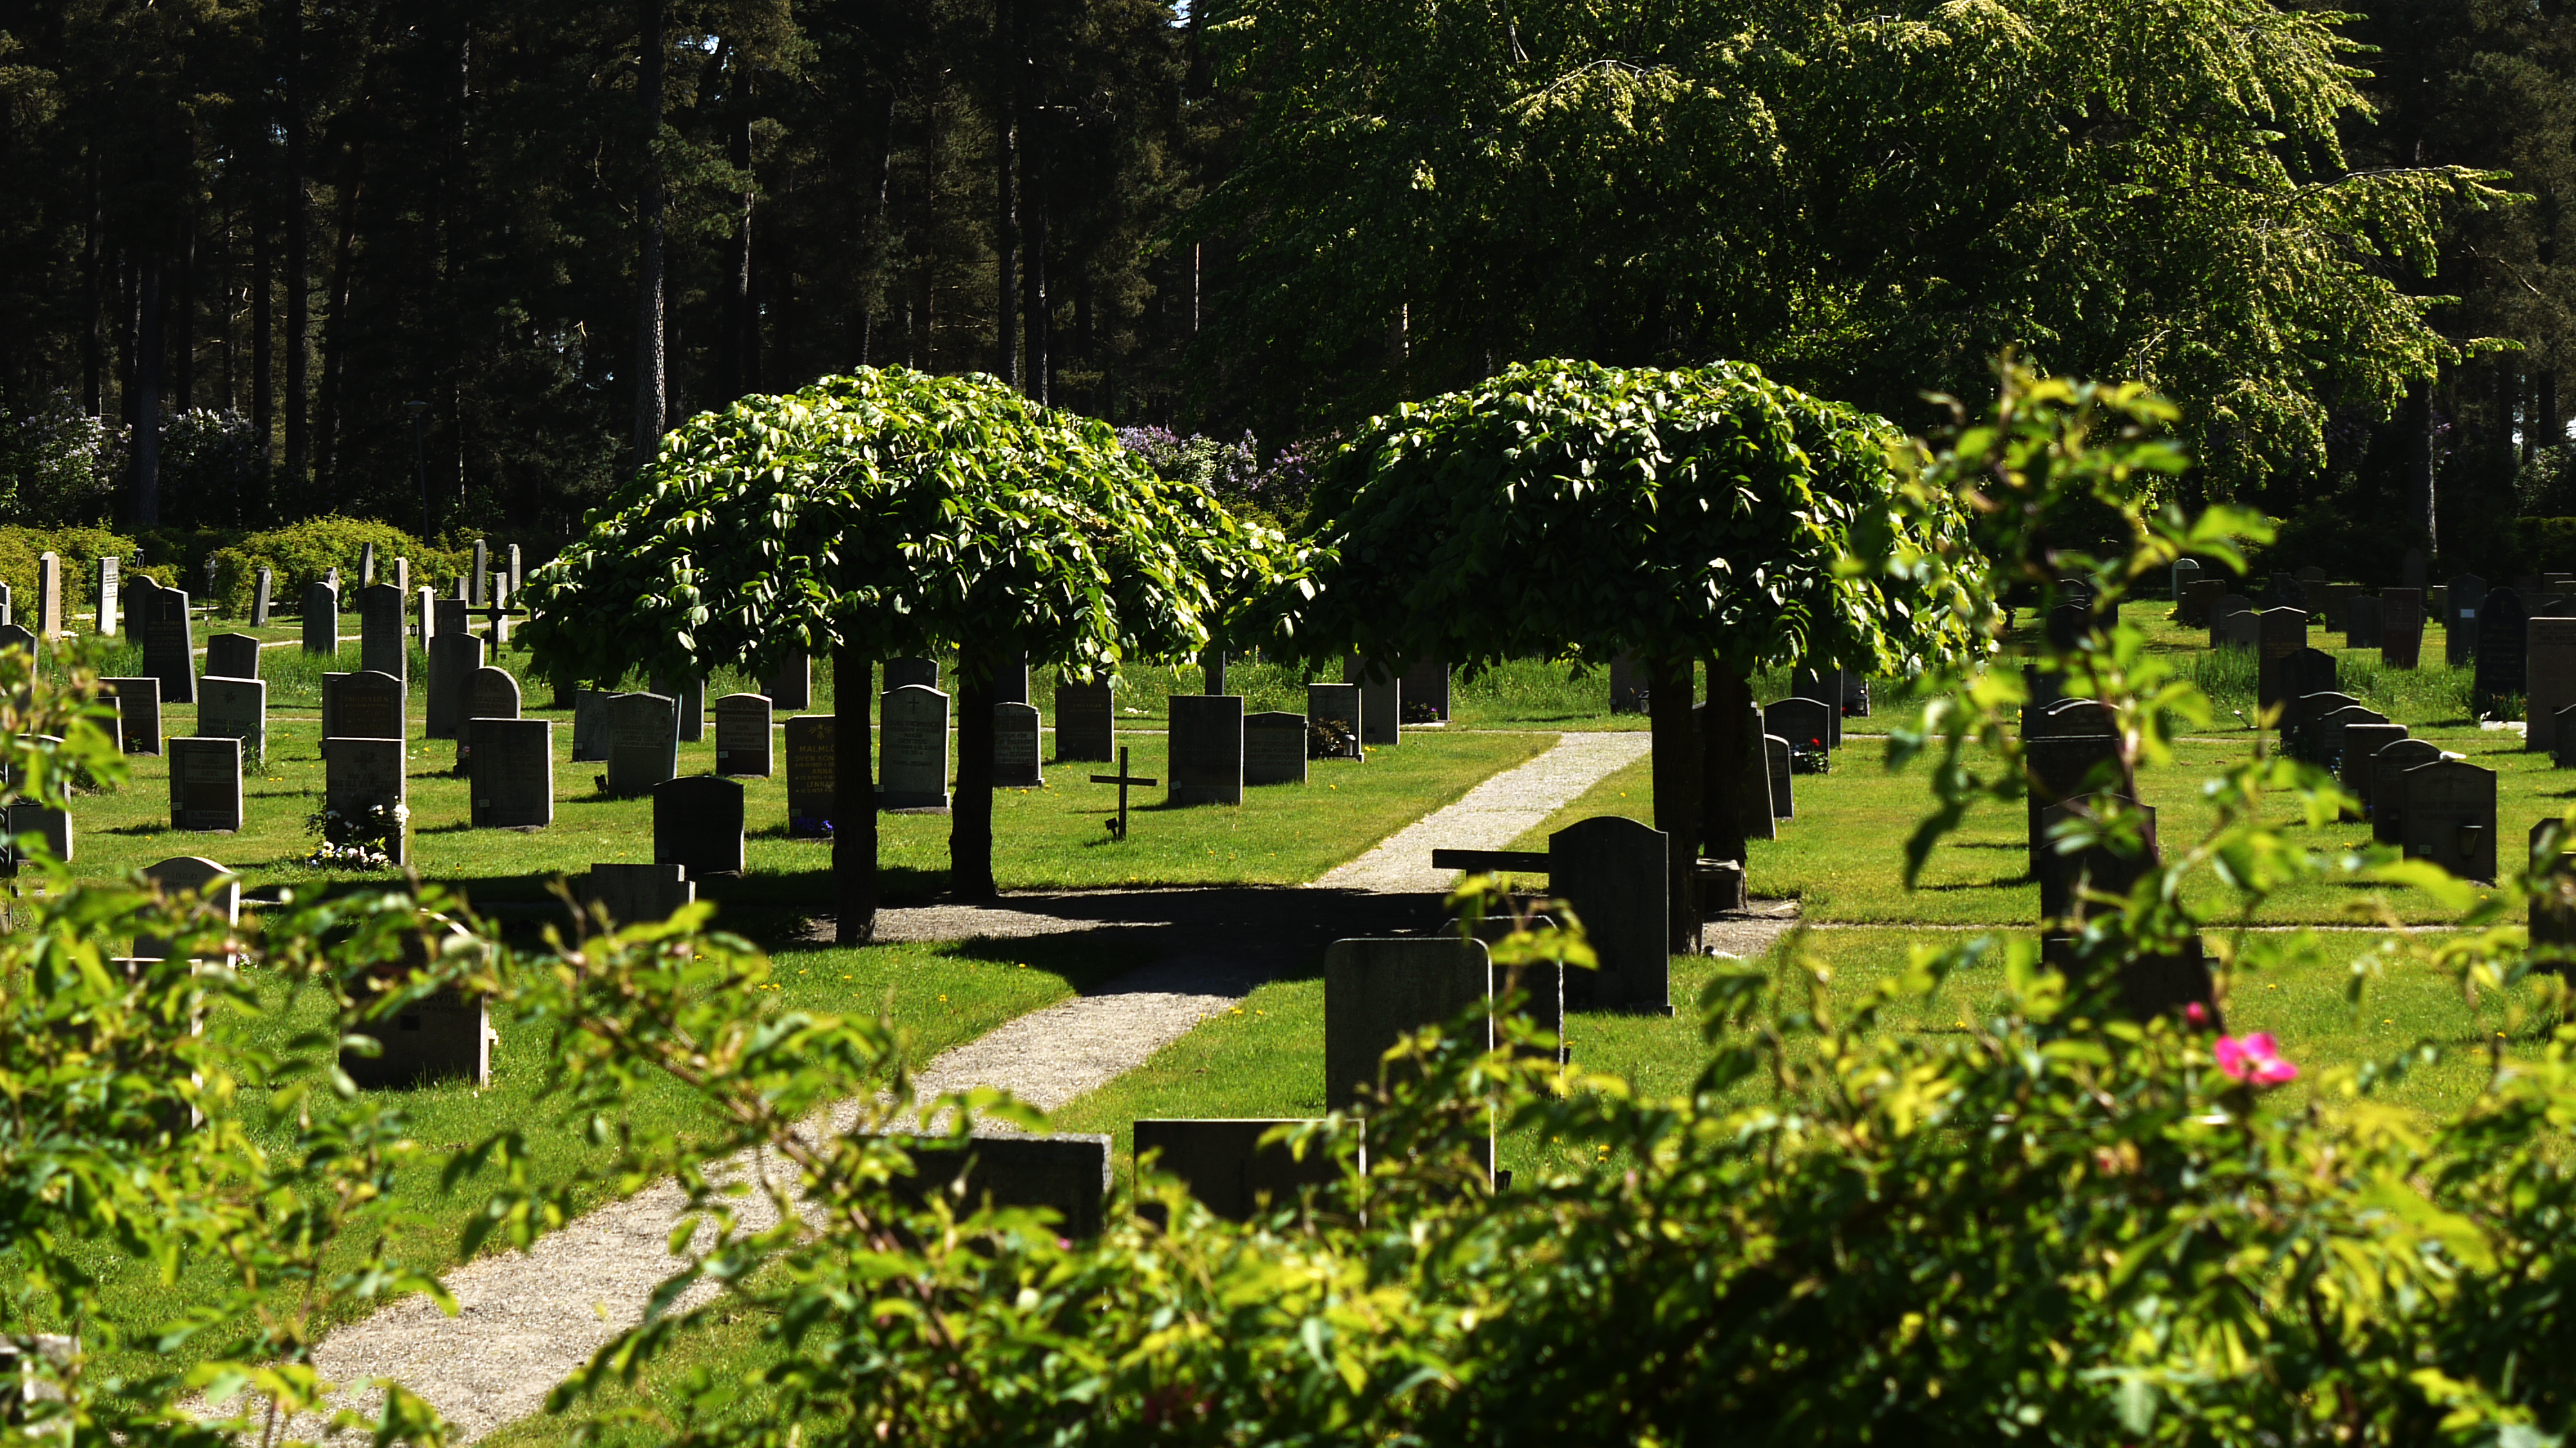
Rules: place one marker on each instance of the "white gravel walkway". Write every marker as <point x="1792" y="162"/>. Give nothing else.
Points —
<point x="526" y="1321"/>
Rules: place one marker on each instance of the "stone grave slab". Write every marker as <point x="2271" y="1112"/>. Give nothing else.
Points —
<point x="364" y="774"/>
<point x="2401" y="627"/>
<point x="1011" y="680"/>
<point x="790" y="686"/>
<point x="15" y="636"/>
<point x="637" y="894"/>
<point x="2064" y="875"/>
<point x="689" y="695"/>
<point x="1344" y="708"/>
<point x="1067" y="1174"/>
<point x="2549" y="678"/>
<point x="1274" y="748"/>
<point x="2503" y="629"/>
<point x="590" y="725"/>
<point x="169" y="645"/>
<point x="1377" y="992"/>
<point x="913" y="772"/>
<point x="1627" y="686"/>
<point x="321" y="621"/>
<point x="1206" y="749"/>
<point x="1426" y="690"/>
<point x="205" y="785"/>
<point x="453" y="660"/>
<point x="446" y="1036"/>
<point x="813" y="773"/>
<point x="513" y="772"/>
<point x="2186" y="572"/>
<point x="1778" y="761"/>
<point x="105" y="602"/>
<point x="138" y="713"/>
<point x="1017" y="732"/>
<point x="2361" y="746"/>
<point x="2327" y="734"/>
<point x="698" y="825"/>
<point x="49" y="598"/>
<point x="643" y="742"/>
<point x="2280" y="632"/>
<point x="260" y="600"/>
<point x="1615" y="872"/>
<point x="381" y="644"/>
<point x="2467" y="595"/>
<point x="911" y="673"/>
<point x="2388" y="785"/>
<point x="491" y="693"/>
<point x="2451" y="817"/>
<point x="1806" y="723"/>
<point x="2242" y="629"/>
<point x="2361" y="623"/>
<point x="234" y="709"/>
<point x="1381" y="700"/>
<point x="1226" y="1167"/>
<point x="2197" y="597"/>
<point x="232" y="656"/>
<point x="217" y="889"/>
<point x="1086" y="720"/>
<point x="742" y="735"/>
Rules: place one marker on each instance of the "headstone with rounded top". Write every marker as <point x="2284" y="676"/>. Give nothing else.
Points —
<point x="912" y="773"/>
<point x="1086" y="719"/>
<point x="1614" y="872"/>
<point x="1805" y="723"/>
<point x="1826" y="687"/>
<point x="2451" y="817"/>
<point x="2358" y="768"/>
<point x="2388" y="785"/>
<point x="138" y="713"/>
<point x="813" y="774"/>
<point x="218" y="891"/>
<point x="2283" y="632"/>
<point x="1205" y="760"/>
<point x="1274" y="748"/>
<point x="698" y="825"/>
<point x="2186" y="572"/>
<point x="2326" y="735"/>
<point x="743" y="737"/>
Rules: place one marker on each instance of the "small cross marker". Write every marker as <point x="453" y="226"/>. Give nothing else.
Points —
<point x="1122" y="779"/>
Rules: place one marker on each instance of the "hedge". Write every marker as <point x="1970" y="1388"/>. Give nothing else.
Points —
<point x="300" y="554"/>
<point x="79" y="548"/>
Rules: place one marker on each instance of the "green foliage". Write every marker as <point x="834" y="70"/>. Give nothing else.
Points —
<point x="1565" y="509"/>
<point x="21" y="549"/>
<point x="58" y="465"/>
<point x="895" y="513"/>
<point x="300" y="554"/>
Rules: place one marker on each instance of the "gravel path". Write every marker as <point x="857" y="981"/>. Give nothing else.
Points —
<point x="527" y="1320"/>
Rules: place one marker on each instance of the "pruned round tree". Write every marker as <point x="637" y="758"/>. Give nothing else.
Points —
<point x="886" y="514"/>
<point x="1567" y="510"/>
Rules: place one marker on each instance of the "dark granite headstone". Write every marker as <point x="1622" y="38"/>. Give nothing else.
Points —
<point x="2451" y="817"/>
<point x="637" y="894"/>
<point x="2549" y="678"/>
<point x="1342" y="705"/>
<point x="363" y="774"/>
<point x="2467" y="594"/>
<point x="1426" y="688"/>
<point x="2401" y="627"/>
<point x="643" y="742"/>
<point x="2281" y="632"/>
<point x="743" y="737"/>
<point x="698" y="825"/>
<point x="138" y="713"/>
<point x="1613" y="871"/>
<point x="813" y="773"/>
<point x="1206" y="754"/>
<point x="913" y="772"/>
<point x="1017" y="730"/>
<point x="1225" y="1166"/>
<point x="453" y="660"/>
<point x="2361" y="746"/>
<point x="790" y="686"/>
<point x="1779" y="762"/>
<point x="1274" y="748"/>
<point x="2197" y="601"/>
<point x="205" y="785"/>
<point x="2501" y="639"/>
<point x="2361" y="623"/>
<point x="1805" y="723"/>
<point x="1086" y="720"/>
<point x="381" y="644"/>
<point x="169" y="645"/>
<point x="1379" y="992"/>
<point x="234" y="709"/>
<point x="513" y="779"/>
<point x="1381" y="700"/>
<point x="2388" y="785"/>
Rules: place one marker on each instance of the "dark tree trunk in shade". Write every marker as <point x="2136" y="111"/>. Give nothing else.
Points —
<point x="651" y="400"/>
<point x="148" y="349"/>
<point x="2418" y="470"/>
<point x="1723" y="763"/>
<point x="2553" y="433"/>
<point x="263" y="348"/>
<point x="854" y="804"/>
<point x="970" y="809"/>
<point x="868" y="325"/>
<point x="1677" y="792"/>
<point x="94" y="303"/>
<point x="183" y="317"/>
<point x="299" y="258"/>
<point x="742" y="318"/>
<point x="1006" y="210"/>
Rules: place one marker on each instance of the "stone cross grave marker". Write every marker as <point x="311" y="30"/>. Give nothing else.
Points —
<point x="453" y="658"/>
<point x="1381" y="700"/>
<point x="2401" y="627"/>
<point x="1223" y="1163"/>
<point x="2361" y="746"/>
<point x="1338" y="711"/>
<point x="381" y="645"/>
<point x="910" y="673"/>
<point x="914" y="729"/>
<point x="1627" y="686"/>
<point x="49" y="596"/>
<point x="234" y="709"/>
<point x="2502" y="637"/>
<point x="742" y="735"/>
<point x="2281" y="633"/>
<point x="217" y="889"/>
<point x="698" y="825"/>
<point x="205" y="785"/>
<point x="1426" y="688"/>
<point x="643" y="742"/>
<point x="590" y="725"/>
<point x="2362" y="627"/>
<point x="1206" y="749"/>
<point x="106" y="601"/>
<point x="1124" y="779"/>
<point x="322" y="620"/>
<point x="1377" y="992"/>
<point x="1614" y="871"/>
<point x="636" y="894"/>
<point x="2197" y="599"/>
<point x="513" y="772"/>
<point x="2549" y="672"/>
<point x="790" y="686"/>
<point x="2451" y="817"/>
<point x="2467" y="594"/>
<point x="232" y="656"/>
<point x="360" y="775"/>
<point x="813" y="773"/>
<point x="138" y="713"/>
<point x="367" y="705"/>
<point x="1274" y="748"/>
<point x="2388" y="785"/>
<point x="1086" y="720"/>
<point x="688" y="695"/>
<point x="1016" y="734"/>
<point x="1805" y="723"/>
<point x="259" y="602"/>
<point x="169" y="645"/>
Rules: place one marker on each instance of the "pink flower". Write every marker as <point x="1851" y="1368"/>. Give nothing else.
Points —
<point x="2196" y="1013"/>
<point x="2255" y="1058"/>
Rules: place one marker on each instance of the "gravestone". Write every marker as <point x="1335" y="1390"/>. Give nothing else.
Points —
<point x="2361" y="623"/>
<point x="1627" y="686"/>
<point x="790" y="686"/>
<point x="813" y="774"/>
<point x="1225" y="1166"/>
<point x="689" y="695"/>
<point x="2338" y="600"/>
<point x="402" y="576"/>
<point x="1011" y="680"/>
<point x="1614" y="872"/>
<point x="450" y="614"/>
<point x="637" y="894"/>
<point x="363" y="774"/>
<point x="742" y="735"/>
<point x="2186" y="572"/>
<point x="138" y="713"/>
<point x="52" y="826"/>
<point x="2401" y="627"/>
<point x="234" y="709"/>
<point x="518" y="578"/>
<point x="1066" y="1174"/>
<point x="218" y="890"/>
<point x="2467" y="594"/>
<point x="500" y="617"/>
<point x="2281" y="633"/>
<point x="698" y="825"/>
<point x="911" y="673"/>
<point x="914" y="727"/>
<point x="590" y="725"/>
<point x="2282" y="590"/>
<point x="1778" y="761"/>
<point x="453" y="658"/>
<point x="1212" y="671"/>
<point x="259" y="603"/>
<point x="1426" y="689"/>
<point x="49" y="598"/>
<point x="8" y="601"/>
<point x="366" y="564"/>
<point x="106" y="600"/>
<point x="206" y="785"/>
<point x="322" y="620"/>
<point x="2304" y="672"/>
<point x="2549" y="677"/>
<point x="2303" y="710"/>
<point x="1855" y="700"/>
<point x="381" y="645"/>
<point x="1805" y="723"/>
<point x="169" y="645"/>
<point x="2361" y="746"/>
<point x="366" y="705"/>
<point x="1274" y="749"/>
<point x="1379" y="992"/>
<point x="2388" y="785"/>
<point x="233" y="656"/>
<point x="643" y="742"/>
<point x="513" y="770"/>
<point x="481" y="581"/>
<point x="425" y="615"/>
<point x="2223" y="605"/>
<point x="2060" y="768"/>
<point x="2065" y="876"/>
<point x="446" y="1036"/>
<point x="2565" y="753"/>
<point x="1752" y="801"/>
<point x="1206" y="754"/>
<point x="2502" y="629"/>
<point x="1826" y="687"/>
<point x="2451" y="817"/>
<point x="1016" y="734"/>
<point x="2197" y="600"/>
<point x="2241" y="630"/>
<point x="1342" y="706"/>
<point x="2414" y="570"/>
<point x="1381" y="700"/>
<point x="1086" y="720"/>
<point x="12" y="636"/>
<point x="491" y="693"/>
<point x="2327" y="733"/>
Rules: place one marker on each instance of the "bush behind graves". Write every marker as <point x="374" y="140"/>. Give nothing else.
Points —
<point x="80" y="548"/>
<point x="302" y="553"/>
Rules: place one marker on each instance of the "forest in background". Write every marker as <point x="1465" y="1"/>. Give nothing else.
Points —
<point x="453" y="264"/>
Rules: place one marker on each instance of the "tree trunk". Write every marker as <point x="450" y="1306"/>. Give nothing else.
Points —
<point x="876" y="231"/>
<point x="2553" y="433"/>
<point x="335" y="327"/>
<point x="652" y="400"/>
<point x="1722" y="769"/>
<point x="742" y="319"/>
<point x="1677" y="794"/>
<point x="970" y="811"/>
<point x="263" y="350"/>
<point x="183" y="342"/>
<point x="1033" y="292"/>
<point x="2419" y="465"/>
<point x="854" y="799"/>
<point x="1006" y="211"/>
<point x="94" y="302"/>
<point x="299" y="260"/>
<point x="147" y="391"/>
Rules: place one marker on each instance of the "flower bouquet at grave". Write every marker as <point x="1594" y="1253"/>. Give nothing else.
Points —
<point x="1811" y="761"/>
<point x="810" y="826"/>
<point x="1331" y="739"/>
<point x="362" y="840"/>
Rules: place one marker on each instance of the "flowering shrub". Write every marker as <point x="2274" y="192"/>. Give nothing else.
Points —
<point x="1277" y="491"/>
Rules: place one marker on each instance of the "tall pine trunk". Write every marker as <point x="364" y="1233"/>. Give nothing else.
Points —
<point x="94" y="303"/>
<point x="263" y="346"/>
<point x="299" y="260"/>
<point x="651" y="364"/>
<point x="1006" y="211"/>
<point x="854" y="799"/>
<point x="742" y="318"/>
<point x="2419" y="465"/>
<point x="970" y="811"/>
<point x="148" y="349"/>
<point x="1677" y="794"/>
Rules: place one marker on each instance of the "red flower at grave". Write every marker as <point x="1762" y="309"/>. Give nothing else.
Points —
<point x="2255" y="1058"/>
